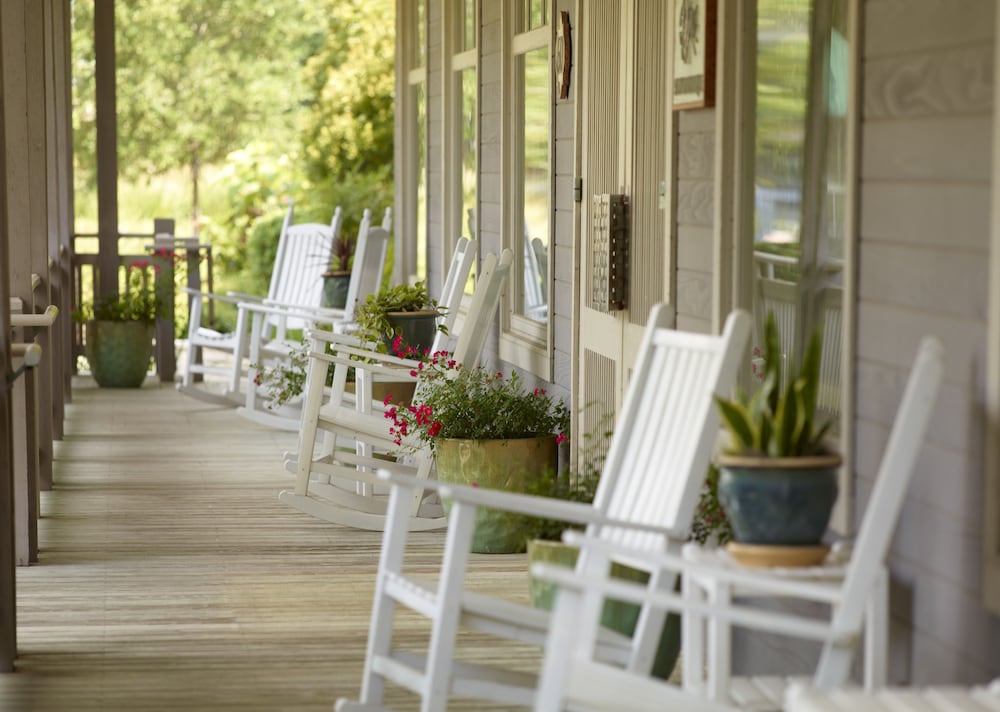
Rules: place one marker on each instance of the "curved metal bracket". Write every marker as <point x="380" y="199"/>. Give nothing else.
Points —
<point x="31" y="355"/>
<point x="46" y="318"/>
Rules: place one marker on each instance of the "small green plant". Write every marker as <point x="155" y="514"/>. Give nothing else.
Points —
<point x="710" y="523"/>
<point x="372" y="313"/>
<point x="283" y="382"/>
<point x="475" y="404"/>
<point x="341" y="252"/>
<point x="776" y="421"/>
<point x="136" y="299"/>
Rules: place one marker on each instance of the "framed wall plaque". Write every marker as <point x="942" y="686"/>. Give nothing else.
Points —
<point x="694" y="54"/>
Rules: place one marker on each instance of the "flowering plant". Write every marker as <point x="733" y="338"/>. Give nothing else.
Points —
<point x="474" y="404"/>
<point x="136" y="299"/>
<point x="281" y="383"/>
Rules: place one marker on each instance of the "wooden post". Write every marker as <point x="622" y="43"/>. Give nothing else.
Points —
<point x="163" y="258"/>
<point x="8" y="598"/>
<point x="106" y="278"/>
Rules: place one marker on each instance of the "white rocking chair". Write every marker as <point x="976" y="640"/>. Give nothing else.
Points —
<point x="712" y="583"/>
<point x="652" y="476"/>
<point x="302" y="257"/>
<point x="267" y="350"/>
<point x="338" y="486"/>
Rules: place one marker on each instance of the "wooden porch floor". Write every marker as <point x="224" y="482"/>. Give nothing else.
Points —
<point x="170" y="576"/>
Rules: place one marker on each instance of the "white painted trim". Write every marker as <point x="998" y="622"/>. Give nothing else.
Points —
<point x="991" y="516"/>
<point x="525" y="343"/>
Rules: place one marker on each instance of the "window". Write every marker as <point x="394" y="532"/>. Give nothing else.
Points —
<point x="525" y="339"/>
<point x="800" y="162"/>
<point x="411" y="188"/>
<point x="461" y="125"/>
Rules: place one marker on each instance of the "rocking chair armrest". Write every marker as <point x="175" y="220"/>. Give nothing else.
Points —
<point x="244" y="297"/>
<point x="712" y="567"/>
<point x="330" y="313"/>
<point x="738" y="614"/>
<point x="277" y="309"/>
<point x="531" y="505"/>
<point x="210" y="295"/>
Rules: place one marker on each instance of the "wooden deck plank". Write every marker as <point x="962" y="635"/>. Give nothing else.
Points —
<point x="170" y="576"/>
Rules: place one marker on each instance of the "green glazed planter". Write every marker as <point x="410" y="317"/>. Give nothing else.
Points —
<point x="335" y="286"/>
<point x="617" y="615"/>
<point x="496" y="464"/>
<point x="417" y="328"/>
<point x="119" y="352"/>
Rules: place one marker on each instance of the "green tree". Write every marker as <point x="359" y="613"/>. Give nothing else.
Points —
<point x="196" y="80"/>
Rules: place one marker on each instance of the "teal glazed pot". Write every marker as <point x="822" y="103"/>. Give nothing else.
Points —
<point x="119" y="352"/>
<point x="779" y="501"/>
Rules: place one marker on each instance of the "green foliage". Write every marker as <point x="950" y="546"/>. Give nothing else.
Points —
<point x="348" y="128"/>
<point x="136" y="300"/>
<point x="710" y="522"/>
<point x="778" y="422"/>
<point x="284" y="381"/>
<point x="475" y="404"/>
<point x="372" y="313"/>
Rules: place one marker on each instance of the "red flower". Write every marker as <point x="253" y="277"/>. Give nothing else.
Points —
<point x="435" y="428"/>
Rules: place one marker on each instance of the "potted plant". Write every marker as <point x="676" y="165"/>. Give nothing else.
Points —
<point x="337" y="279"/>
<point x="778" y="481"/>
<point x="486" y="430"/>
<point x="119" y="330"/>
<point x="404" y="311"/>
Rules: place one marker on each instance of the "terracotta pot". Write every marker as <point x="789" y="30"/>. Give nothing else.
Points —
<point x="119" y="352"/>
<point x="496" y="464"/>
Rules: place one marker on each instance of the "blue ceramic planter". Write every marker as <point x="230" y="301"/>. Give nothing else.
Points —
<point x="778" y="501"/>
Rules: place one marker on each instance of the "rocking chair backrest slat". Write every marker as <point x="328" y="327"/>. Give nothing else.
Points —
<point x="454" y="288"/>
<point x="369" y="260"/>
<point x="279" y="257"/>
<point x="484" y="304"/>
<point x="654" y="470"/>
<point x="893" y="478"/>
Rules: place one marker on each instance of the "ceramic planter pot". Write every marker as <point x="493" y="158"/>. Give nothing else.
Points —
<point x="119" y="352"/>
<point x="616" y="615"/>
<point x="496" y="464"/>
<point x="335" y="286"/>
<point x="778" y="501"/>
<point x="417" y="328"/>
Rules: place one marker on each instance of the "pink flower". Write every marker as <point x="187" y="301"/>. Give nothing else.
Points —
<point x="387" y="400"/>
<point x="561" y="438"/>
<point x="435" y="428"/>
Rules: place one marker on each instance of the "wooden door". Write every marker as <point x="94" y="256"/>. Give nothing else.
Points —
<point x="624" y="140"/>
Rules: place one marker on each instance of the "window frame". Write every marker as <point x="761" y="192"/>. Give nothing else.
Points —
<point x="524" y="342"/>
<point x="742" y="23"/>
<point x="411" y="74"/>
<point x="457" y="59"/>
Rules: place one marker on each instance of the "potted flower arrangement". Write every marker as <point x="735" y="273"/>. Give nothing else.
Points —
<point x="486" y="430"/>
<point x="337" y="279"/>
<point x="778" y="481"/>
<point x="405" y="311"/>
<point x="120" y="330"/>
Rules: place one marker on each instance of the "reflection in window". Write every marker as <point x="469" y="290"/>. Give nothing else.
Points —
<point x="798" y="253"/>
<point x="532" y="76"/>
<point x="421" y="90"/>
<point x="468" y="159"/>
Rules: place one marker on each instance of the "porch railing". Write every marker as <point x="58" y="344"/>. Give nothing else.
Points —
<point x="169" y="254"/>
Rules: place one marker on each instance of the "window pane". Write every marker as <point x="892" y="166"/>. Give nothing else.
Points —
<point x="468" y="158"/>
<point x="421" y="38"/>
<point x="533" y="75"/>
<point x="798" y="267"/>
<point x="468" y="24"/>
<point x="534" y="14"/>
<point x="421" y="180"/>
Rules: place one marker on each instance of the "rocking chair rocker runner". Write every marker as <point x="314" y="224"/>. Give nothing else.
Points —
<point x="338" y="486"/>
<point x="295" y="278"/>
<point x="572" y="673"/>
<point x="652" y="477"/>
